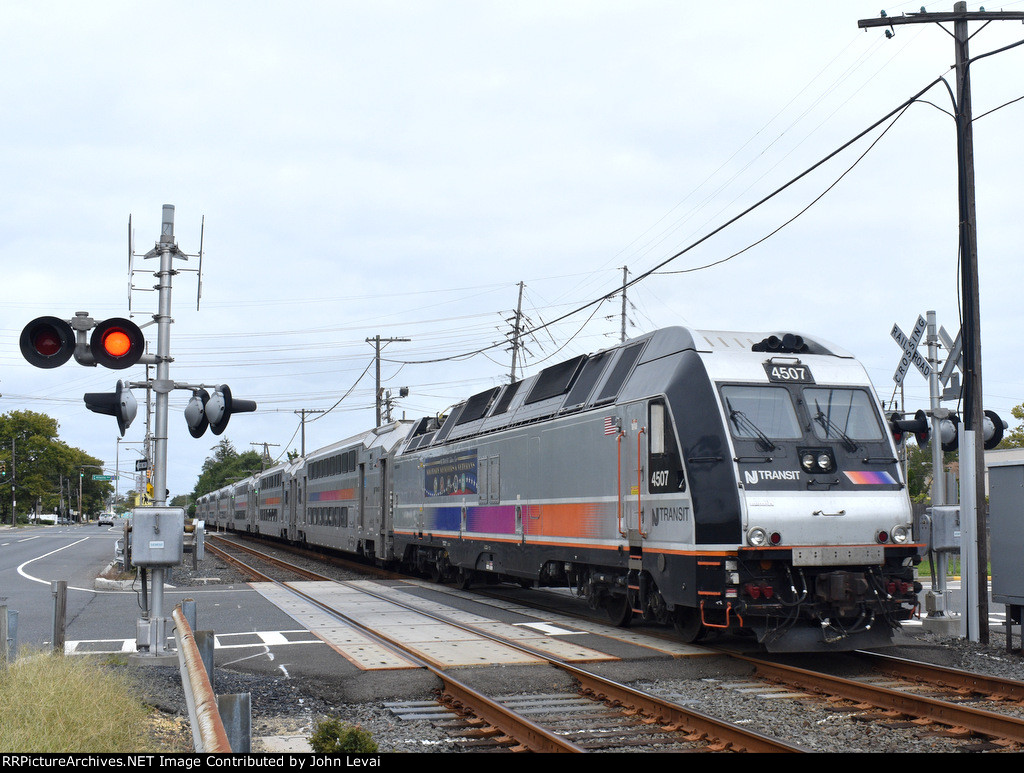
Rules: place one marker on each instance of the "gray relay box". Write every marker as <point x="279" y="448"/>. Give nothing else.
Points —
<point x="158" y="535"/>
<point x="941" y="529"/>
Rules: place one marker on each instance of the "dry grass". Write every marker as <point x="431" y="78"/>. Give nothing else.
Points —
<point x="52" y="704"/>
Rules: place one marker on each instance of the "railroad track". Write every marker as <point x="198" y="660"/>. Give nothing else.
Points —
<point x="968" y="722"/>
<point x="928" y="699"/>
<point x="614" y="717"/>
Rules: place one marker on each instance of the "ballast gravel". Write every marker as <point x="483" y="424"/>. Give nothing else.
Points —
<point x="285" y="711"/>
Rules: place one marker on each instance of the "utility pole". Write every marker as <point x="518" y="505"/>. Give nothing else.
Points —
<point x="14" y="478"/>
<point x="516" y="331"/>
<point x="973" y="409"/>
<point x="265" y="457"/>
<point x="625" y="279"/>
<point x="376" y="341"/>
<point x="302" y="412"/>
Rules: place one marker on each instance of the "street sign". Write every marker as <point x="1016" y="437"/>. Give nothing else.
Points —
<point x="141" y="465"/>
<point x="910" y="353"/>
<point x="102" y="477"/>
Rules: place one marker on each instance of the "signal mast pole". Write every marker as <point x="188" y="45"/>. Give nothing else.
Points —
<point x="974" y="415"/>
<point x="166" y="249"/>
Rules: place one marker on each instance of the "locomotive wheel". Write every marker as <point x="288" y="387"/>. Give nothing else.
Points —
<point x="619" y="610"/>
<point x="464" y="579"/>
<point x="687" y="624"/>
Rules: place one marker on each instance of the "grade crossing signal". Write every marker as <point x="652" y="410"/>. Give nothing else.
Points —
<point x="195" y="413"/>
<point x="918" y="426"/>
<point x="992" y="430"/>
<point x="49" y="342"/>
<point x="949" y="432"/>
<point x="213" y="411"/>
<point x="117" y="343"/>
<point x="222" y="405"/>
<point x="121" y="404"/>
<point x="949" y="429"/>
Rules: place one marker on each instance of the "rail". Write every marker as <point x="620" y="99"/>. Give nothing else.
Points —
<point x="531" y="735"/>
<point x="208" y="733"/>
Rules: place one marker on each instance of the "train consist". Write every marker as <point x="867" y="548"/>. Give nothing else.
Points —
<point x="709" y="480"/>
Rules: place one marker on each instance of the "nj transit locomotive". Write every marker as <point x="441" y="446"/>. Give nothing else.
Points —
<point x="710" y="480"/>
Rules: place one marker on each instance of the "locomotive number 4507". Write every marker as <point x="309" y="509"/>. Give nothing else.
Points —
<point x="789" y="374"/>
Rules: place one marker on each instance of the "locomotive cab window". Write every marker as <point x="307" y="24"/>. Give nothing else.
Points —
<point x="756" y="412"/>
<point x="666" y="471"/>
<point x="842" y="413"/>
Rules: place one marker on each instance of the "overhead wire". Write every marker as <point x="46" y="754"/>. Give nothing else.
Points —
<point x="893" y="114"/>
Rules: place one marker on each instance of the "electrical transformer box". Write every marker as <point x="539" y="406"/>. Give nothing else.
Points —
<point x="157" y="536"/>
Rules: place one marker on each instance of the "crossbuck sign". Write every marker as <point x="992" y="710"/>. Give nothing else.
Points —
<point x="910" y="353"/>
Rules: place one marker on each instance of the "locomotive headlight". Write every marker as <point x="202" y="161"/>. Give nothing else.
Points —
<point x="757" y="537"/>
<point x="817" y="460"/>
<point x="900" y="534"/>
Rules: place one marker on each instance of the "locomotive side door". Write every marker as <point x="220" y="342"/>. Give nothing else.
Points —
<point x="667" y="503"/>
<point x="632" y="442"/>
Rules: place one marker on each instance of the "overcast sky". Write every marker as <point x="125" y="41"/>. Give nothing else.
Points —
<point x="398" y="168"/>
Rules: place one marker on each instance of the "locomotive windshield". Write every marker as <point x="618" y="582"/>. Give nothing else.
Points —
<point x="841" y="414"/>
<point x="758" y="412"/>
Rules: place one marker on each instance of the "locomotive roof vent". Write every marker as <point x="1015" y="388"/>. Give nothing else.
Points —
<point x="788" y="344"/>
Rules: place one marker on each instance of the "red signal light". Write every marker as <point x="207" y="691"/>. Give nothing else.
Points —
<point x="47" y="342"/>
<point x="117" y="343"/>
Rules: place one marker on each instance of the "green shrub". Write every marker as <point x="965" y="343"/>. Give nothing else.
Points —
<point x="332" y="736"/>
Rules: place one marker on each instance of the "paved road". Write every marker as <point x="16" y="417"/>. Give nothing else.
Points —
<point x="32" y="559"/>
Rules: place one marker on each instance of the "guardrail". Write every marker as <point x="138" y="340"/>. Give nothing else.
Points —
<point x="208" y="732"/>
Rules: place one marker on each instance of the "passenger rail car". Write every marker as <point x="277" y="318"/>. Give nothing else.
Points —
<point x="708" y="480"/>
<point x="204" y="512"/>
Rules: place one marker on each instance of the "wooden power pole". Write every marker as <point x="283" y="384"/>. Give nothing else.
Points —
<point x="974" y="415"/>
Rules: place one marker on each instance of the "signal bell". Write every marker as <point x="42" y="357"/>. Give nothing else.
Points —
<point x="120" y="404"/>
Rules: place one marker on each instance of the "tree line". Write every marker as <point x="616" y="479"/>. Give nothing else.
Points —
<point x="40" y="473"/>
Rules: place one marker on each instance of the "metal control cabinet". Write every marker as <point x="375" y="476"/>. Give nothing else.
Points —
<point x="1006" y="528"/>
<point x="941" y="529"/>
<point x="157" y="536"/>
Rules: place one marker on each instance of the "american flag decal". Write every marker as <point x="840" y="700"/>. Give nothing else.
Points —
<point x="610" y="425"/>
